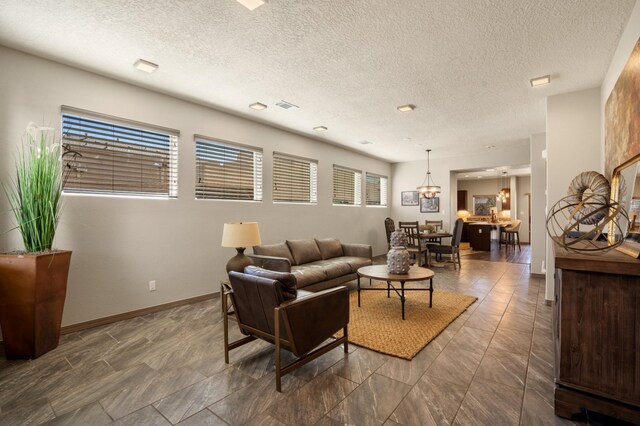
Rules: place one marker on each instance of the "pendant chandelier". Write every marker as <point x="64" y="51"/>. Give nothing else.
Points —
<point x="503" y="193"/>
<point x="428" y="189"/>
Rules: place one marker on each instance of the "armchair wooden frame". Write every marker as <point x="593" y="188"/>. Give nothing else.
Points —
<point x="280" y="314"/>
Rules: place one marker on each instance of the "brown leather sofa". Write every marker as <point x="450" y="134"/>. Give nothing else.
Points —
<point x="267" y="305"/>
<point x="317" y="264"/>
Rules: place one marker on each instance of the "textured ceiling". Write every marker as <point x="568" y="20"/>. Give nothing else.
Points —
<point x="347" y="63"/>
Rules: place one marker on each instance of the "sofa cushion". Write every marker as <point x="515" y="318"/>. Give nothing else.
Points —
<point x="287" y="281"/>
<point x="330" y="248"/>
<point x="333" y="268"/>
<point x="304" y="251"/>
<point x="276" y="250"/>
<point x="354" y="262"/>
<point x="308" y="274"/>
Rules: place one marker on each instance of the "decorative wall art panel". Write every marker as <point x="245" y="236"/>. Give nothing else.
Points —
<point x="622" y="115"/>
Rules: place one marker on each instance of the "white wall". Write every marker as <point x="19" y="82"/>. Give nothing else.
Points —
<point x="538" y="203"/>
<point x="408" y="175"/>
<point x="521" y="209"/>
<point x="119" y="244"/>
<point x="574" y="143"/>
<point x="573" y="146"/>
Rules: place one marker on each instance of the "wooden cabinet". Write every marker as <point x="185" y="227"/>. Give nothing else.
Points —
<point x="462" y="200"/>
<point x="480" y="236"/>
<point x="465" y="233"/>
<point x="597" y="334"/>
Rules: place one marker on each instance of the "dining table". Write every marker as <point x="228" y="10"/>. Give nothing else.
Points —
<point x="434" y="236"/>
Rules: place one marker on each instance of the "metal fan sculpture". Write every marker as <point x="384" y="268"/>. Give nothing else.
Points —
<point x="588" y="205"/>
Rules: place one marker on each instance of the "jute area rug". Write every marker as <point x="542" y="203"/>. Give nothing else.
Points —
<point x="378" y="323"/>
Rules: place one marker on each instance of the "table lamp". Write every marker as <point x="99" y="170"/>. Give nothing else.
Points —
<point x="240" y="235"/>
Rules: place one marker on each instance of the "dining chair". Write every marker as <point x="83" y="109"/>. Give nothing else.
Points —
<point x="435" y="223"/>
<point x="389" y="227"/>
<point x="416" y="245"/>
<point x="453" y="250"/>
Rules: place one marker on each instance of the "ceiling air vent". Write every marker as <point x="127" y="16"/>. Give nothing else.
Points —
<point x="287" y="105"/>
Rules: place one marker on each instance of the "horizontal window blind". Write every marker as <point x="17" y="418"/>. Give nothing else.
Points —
<point x="347" y="186"/>
<point x="225" y="171"/>
<point x="375" y="190"/>
<point x="294" y="179"/>
<point x="106" y="157"/>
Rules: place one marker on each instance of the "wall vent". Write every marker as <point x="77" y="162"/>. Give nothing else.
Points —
<point x="287" y="105"/>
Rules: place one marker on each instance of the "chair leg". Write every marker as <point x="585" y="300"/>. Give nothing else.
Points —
<point x="453" y="258"/>
<point x="278" y="360"/>
<point x="517" y="236"/>
<point x="345" y="331"/>
<point x="225" y="320"/>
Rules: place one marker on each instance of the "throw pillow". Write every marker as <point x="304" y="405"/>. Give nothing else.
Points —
<point x="330" y="248"/>
<point x="276" y="250"/>
<point x="304" y="251"/>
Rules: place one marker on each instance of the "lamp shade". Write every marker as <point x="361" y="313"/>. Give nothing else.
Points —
<point x="241" y="234"/>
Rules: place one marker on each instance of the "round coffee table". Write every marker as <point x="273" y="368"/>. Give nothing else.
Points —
<point x="380" y="272"/>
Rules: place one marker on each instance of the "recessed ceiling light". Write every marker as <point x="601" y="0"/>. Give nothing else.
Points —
<point x="406" y="108"/>
<point x="145" y="66"/>
<point x="365" y="143"/>
<point x="490" y="170"/>
<point x="251" y="4"/>
<point x="257" y="106"/>
<point x="539" y="81"/>
<point x="320" y="129"/>
<point x="466" y="175"/>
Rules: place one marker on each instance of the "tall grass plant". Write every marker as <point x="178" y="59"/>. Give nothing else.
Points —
<point x="35" y="193"/>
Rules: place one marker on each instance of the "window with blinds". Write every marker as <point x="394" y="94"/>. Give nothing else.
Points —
<point x="104" y="156"/>
<point x="347" y="186"/>
<point x="295" y="179"/>
<point x="376" y="190"/>
<point x="227" y="171"/>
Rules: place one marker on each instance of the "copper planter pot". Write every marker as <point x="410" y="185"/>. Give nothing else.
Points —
<point x="33" y="288"/>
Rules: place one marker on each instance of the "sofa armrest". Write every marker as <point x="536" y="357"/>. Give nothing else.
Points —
<point x="358" y="250"/>
<point x="280" y="264"/>
<point x="312" y="319"/>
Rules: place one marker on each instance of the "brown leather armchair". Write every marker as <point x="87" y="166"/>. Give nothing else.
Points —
<point x="268" y="307"/>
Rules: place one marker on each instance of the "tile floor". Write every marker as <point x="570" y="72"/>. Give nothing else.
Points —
<point x="492" y="366"/>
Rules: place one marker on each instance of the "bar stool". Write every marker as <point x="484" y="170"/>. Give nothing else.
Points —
<point x="510" y="235"/>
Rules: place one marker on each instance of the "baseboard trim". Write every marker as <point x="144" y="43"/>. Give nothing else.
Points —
<point x="534" y="275"/>
<point x="137" y="313"/>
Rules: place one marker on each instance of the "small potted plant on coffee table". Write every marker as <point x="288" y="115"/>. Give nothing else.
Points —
<point x="33" y="282"/>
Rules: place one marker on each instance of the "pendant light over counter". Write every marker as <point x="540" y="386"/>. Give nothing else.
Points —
<point x="504" y="190"/>
<point x="429" y="189"/>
